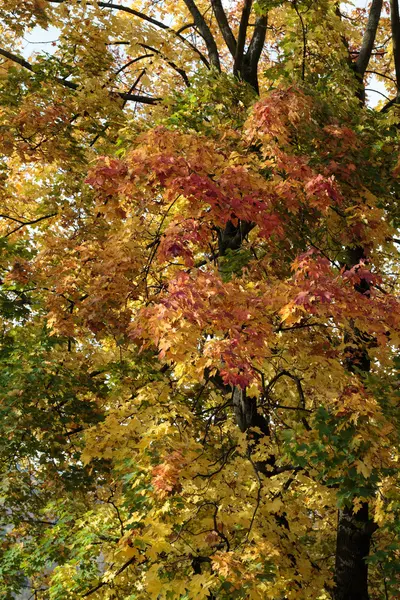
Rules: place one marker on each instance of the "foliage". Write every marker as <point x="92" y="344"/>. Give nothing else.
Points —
<point x="199" y="304"/>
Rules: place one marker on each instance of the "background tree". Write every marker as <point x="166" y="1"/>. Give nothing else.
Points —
<point x="199" y="303"/>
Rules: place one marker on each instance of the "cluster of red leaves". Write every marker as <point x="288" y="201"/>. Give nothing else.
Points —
<point x="193" y="314"/>
<point x="166" y="475"/>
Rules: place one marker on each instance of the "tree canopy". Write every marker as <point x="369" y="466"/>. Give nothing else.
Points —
<point x="199" y="300"/>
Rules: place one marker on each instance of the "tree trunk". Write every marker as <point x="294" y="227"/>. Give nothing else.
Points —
<point x="355" y="529"/>
<point x="354" y="535"/>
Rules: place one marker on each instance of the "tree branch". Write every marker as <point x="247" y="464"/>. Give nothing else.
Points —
<point x="103" y="583"/>
<point x="205" y="33"/>
<point x="300" y="392"/>
<point x="254" y="50"/>
<point x="173" y="65"/>
<point x="25" y="223"/>
<point x="395" y="23"/>
<point x="224" y="26"/>
<point x="145" y="17"/>
<point x="133" y="61"/>
<point x="241" y="41"/>
<point x="367" y="44"/>
<point x="381" y="75"/>
<point x="304" y="36"/>
<point x="74" y="86"/>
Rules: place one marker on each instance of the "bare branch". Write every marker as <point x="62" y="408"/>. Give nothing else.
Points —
<point x="300" y="392"/>
<point x="184" y="27"/>
<point x="17" y="59"/>
<point x="103" y="583"/>
<point x="133" y="61"/>
<point x="381" y="75"/>
<point x="304" y="36"/>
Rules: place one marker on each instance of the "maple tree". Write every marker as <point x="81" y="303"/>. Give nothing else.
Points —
<point x="199" y="301"/>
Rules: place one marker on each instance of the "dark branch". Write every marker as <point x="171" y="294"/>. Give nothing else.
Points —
<point x="205" y="33"/>
<point x="184" y="27"/>
<point x="367" y="45"/>
<point x="173" y="65"/>
<point x="103" y="583"/>
<point x="254" y="50"/>
<point x="145" y="17"/>
<point x="395" y="23"/>
<point x="304" y="36"/>
<point x="133" y="61"/>
<point x="241" y="41"/>
<point x="25" y="223"/>
<point x="74" y="86"/>
<point x="224" y="26"/>
<point x="300" y="392"/>
<point x="381" y="75"/>
<point x="17" y="59"/>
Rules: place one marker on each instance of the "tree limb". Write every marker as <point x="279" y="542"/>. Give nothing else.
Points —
<point x="241" y="41"/>
<point x="254" y="50"/>
<point x="395" y="24"/>
<point x="205" y="33"/>
<point x="133" y="61"/>
<point x="25" y="223"/>
<point x="367" y="44"/>
<point x="103" y="583"/>
<point x="74" y="86"/>
<point x="145" y="17"/>
<point x="224" y="26"/>
<point x="173" y="65"/>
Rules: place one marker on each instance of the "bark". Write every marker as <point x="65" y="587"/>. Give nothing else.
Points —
<point x="224" y="26"/>
<point x="231" y="237"/>
<point x="241" y="41"/>
<point x="395" y="24"/>
<point x="361" y="64"/>
<point x="353" y="545"/>
<point x="253" y="54"/>
<point x="248" y="417"/>
<point x="369" y="38"/>
<point x="205" y="33"/>
<point x="355" y="529"/>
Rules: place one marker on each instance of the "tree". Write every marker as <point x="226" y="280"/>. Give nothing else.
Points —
<point x="199" y="301"/>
